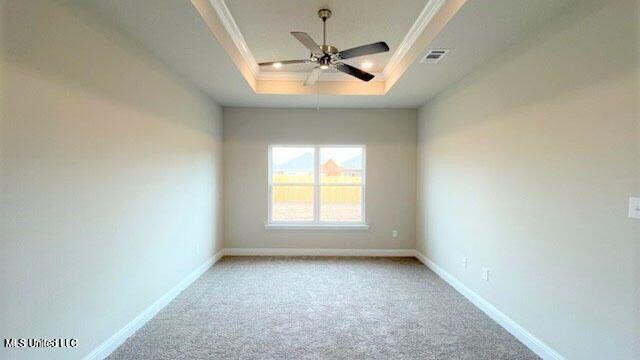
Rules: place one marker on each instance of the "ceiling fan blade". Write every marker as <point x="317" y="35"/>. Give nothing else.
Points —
<point x="364" y="50"/>
<point x="307" y="41"/>
<point x="313" y="77"/>
<point x="354" y="71"/>
<point x="284" y="62"/>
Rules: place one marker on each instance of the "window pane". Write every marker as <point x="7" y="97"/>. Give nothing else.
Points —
<point x="341" y="165"/>
<point x="340" y="203"/>
<point x="292" y="165"/>
<point x="292" y="203"/>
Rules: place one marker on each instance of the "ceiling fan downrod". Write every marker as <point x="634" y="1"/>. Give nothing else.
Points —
<point x="324" y="14"/>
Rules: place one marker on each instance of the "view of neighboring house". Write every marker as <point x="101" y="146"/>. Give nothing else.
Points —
<point x="331" y="168"/>
<point x="302" y="165"/>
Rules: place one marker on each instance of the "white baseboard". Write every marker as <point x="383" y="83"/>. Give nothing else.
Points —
<point x="536" y="345"/>
<point x="119" y="337"/>
<point x="319" y="252"/>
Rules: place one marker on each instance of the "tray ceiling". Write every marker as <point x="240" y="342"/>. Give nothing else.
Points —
<point x="176" y="33"/>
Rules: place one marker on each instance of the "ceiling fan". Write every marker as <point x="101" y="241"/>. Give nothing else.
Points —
<point x="327" y="56"/>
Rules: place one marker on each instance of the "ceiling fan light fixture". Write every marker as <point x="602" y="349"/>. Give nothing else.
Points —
<point x="277" y="65"/>
<point x="366" y="65"/>
<point x="324" y="67"/>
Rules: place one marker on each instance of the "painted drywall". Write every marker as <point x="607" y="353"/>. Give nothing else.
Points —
<point x="390" y="140"/>
<point x="526" y="167"/>
<point x="111" y="175"/>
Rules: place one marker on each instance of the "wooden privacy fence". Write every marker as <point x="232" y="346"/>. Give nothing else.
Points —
<point x="328" y="193"/>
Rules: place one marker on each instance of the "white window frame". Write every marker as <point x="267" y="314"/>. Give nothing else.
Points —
<point x="316" y="223"/>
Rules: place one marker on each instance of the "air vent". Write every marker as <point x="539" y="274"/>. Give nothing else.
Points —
<point x="434" y="56"/>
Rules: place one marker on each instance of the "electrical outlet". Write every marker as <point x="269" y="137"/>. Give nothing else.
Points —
<point x="634" y="207"/>
<point x="485" y="273"/>
<point x="394" y="233"/>
<point x="464" y="261"/>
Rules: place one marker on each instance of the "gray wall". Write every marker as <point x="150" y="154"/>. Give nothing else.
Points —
<point x="390" y="138"/>
<point x="111" y="175"/>
<point x="526" y="166"/>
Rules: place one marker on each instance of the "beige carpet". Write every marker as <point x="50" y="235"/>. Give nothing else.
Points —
<point x="321" y="308"/>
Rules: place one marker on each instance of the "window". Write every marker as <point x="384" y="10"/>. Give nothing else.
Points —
<point x="316" y="185"/>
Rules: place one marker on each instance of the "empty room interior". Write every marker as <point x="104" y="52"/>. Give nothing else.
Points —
<point x="320" y="179"/>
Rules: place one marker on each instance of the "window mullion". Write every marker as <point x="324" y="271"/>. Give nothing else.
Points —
<point x="316" y="185"/>
<point x="269" y="184"/>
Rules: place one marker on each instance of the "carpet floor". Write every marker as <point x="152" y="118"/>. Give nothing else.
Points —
<point x="321" y="308"/>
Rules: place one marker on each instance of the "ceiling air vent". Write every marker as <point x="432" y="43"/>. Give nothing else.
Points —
<point x="433" y="56"/>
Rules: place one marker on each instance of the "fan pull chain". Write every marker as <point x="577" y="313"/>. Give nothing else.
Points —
<point x="318" y="92"/>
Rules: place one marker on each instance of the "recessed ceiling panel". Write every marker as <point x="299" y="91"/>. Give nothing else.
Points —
<point x="266" y="26"/>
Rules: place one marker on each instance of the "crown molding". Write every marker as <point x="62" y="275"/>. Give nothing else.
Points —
<point x="232" y="28"/>
<point x="426" y="15"/>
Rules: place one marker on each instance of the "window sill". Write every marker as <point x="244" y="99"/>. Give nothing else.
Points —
<point x="360" y="227"/>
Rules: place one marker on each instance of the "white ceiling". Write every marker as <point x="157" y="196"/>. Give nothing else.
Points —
<point x="266" y="26"/>
<point x="174" y="32"/>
